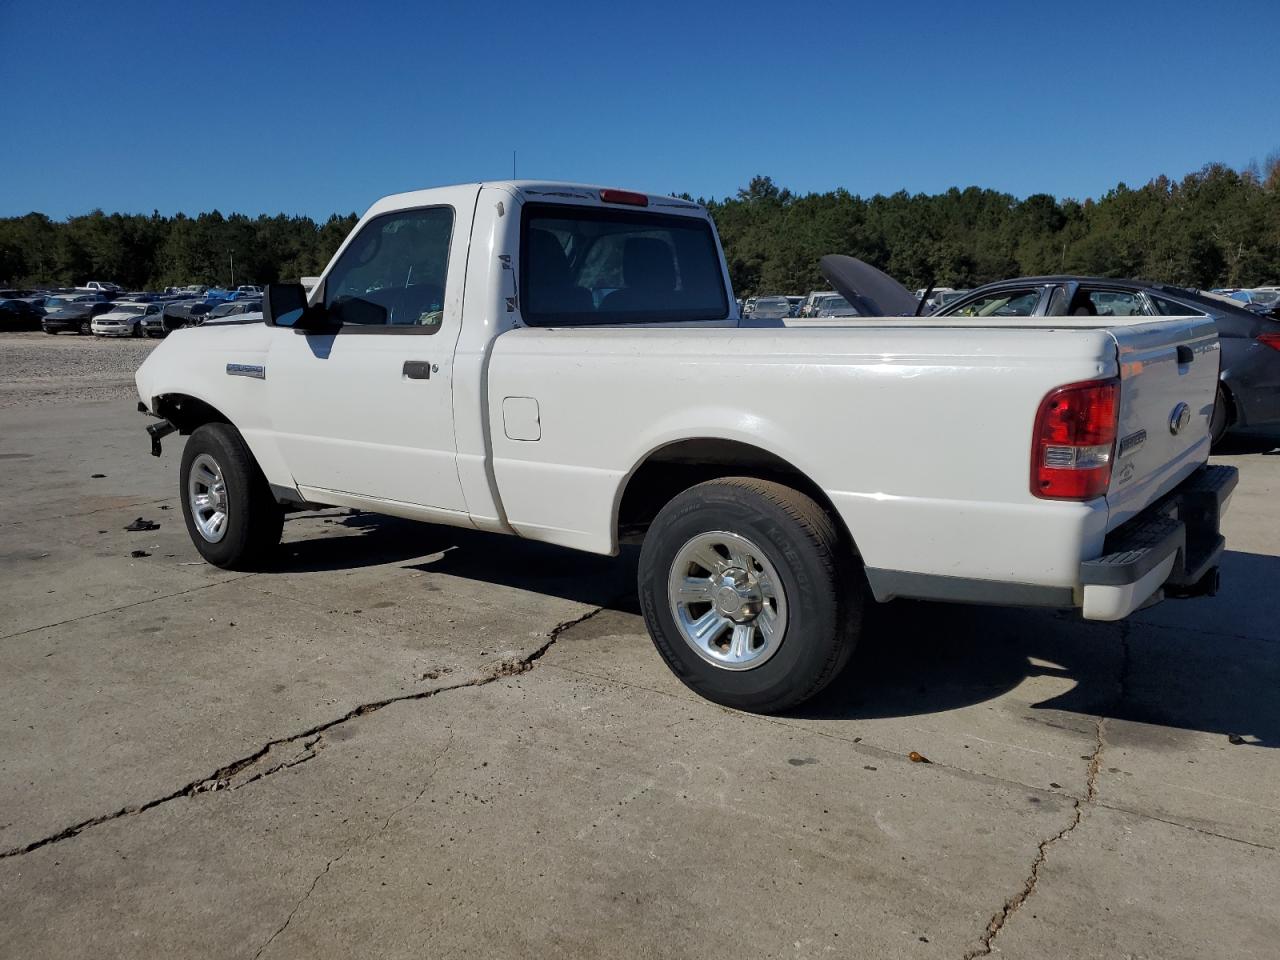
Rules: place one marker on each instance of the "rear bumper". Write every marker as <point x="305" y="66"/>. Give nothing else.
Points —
<point x="1172" y="548"/>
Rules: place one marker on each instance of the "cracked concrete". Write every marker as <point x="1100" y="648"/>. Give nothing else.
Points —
<point x="409" y="740"/>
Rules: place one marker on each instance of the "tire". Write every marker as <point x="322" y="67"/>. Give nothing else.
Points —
<point x="820" y="606"/>
<point x="1220" y="422"/>
<point x="252" y="520"/>
<point x="85" y="329"/>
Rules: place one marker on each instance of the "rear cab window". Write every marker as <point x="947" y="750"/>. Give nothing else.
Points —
<point x="583" y="265"/>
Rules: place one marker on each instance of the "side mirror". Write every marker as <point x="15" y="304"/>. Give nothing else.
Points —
<point x="285" y="305"/>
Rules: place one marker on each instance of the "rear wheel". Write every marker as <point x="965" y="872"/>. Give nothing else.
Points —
<point x="231" y="516"/>
<point x="1221" y="419"/>
<point x="749" y="593"/>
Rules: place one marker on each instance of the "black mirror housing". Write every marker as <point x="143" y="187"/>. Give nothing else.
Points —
<point x="283" y="304"/>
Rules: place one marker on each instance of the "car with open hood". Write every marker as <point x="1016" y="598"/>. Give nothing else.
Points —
<point x="1248" y="393"/>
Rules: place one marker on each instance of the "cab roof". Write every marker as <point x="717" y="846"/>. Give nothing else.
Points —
<point x="553" y="191"/>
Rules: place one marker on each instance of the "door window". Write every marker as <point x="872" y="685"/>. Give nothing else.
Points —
<point x="1167" y="308"/>
<point x="393" y="273"/>
<point x="1115" y="303"/>
<point x="1003" y="303"/>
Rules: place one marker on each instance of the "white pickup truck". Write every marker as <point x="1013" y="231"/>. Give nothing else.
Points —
<point x="566" y="363"/>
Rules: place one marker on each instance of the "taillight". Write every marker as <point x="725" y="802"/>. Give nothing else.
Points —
<point x="1074" y="441"/>
<point x="1272" y="340"/>
<point x="629" y="197"/>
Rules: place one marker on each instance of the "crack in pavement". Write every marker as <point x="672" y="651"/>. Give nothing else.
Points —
<point x="1001" y="917"/>
<point x="1092" y="769"/>
<point x="223" y="776"/>
<point x="435" y="765"/>
<point x="86" y="513"/>
<point x="126" y="606"/>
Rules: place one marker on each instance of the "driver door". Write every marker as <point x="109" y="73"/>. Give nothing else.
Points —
<point x="364" y="415"/>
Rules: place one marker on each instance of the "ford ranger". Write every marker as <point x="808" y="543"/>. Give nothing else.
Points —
<point x="567" y="364"/>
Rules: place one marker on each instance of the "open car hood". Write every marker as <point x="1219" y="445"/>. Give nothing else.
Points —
<point x="872" y="292"/>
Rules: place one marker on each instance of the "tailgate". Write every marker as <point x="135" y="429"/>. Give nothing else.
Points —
<point x="1168" y="381"/>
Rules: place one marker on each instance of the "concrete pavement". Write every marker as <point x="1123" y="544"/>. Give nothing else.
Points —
<point x="413" y="741"/>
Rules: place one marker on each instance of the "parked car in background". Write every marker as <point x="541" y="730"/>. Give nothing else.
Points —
<point x="771" y="308"/>
<point x="248" y="291"/>
<point x="123" y="319"/>
<point x="946" y="298"/>
<point x="834" y="306"/>
<point x="177" y="314"/>
<point x="99" y="286"/>
<point x="72" y="313"/>
<point x="19" y="310"/>
<point x="1265" y="302"/>
<point x="807" y="308"/>
<point x="796" y="304"/>
<point x="234" y="308"/>
<point x="1249" y="374"/>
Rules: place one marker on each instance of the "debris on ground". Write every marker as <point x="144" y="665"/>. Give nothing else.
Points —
<point x="140" y="525"/>
<point x="138" y="554"/>
<point x="1235" y="739"/>
<point x="97" y="476"/>
<point x="918" y="757"/>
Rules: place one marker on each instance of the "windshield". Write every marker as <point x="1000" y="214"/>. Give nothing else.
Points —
<point x="129" y="309"/>
<point x="591" y="265"/>
<point x="833" y="303"/>
<point x="1268" y="298"/>
<point x="57" y="303"/>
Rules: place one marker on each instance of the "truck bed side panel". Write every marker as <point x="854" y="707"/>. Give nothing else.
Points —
<point x="920" y="437"/>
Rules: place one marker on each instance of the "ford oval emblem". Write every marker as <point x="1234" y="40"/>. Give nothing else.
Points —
<point x="1180" y="417"/>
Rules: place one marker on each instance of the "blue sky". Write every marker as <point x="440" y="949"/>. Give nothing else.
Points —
<point x="324" y="106"/>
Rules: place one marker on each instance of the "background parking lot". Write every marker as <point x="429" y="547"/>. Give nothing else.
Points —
<point x="408" y="740"/>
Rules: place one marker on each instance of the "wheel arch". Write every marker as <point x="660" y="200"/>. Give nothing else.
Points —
<point x="676" y="465"/>
<point x="187" y="412"/>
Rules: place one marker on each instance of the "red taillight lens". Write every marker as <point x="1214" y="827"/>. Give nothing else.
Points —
<point x="624" y="196"/>
<point x="1074" y="441"/>
<point x="1272" y="340"/>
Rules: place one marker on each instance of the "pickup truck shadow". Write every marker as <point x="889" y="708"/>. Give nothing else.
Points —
<point x="370" y="539"/>
<point x="1265" y="443"/>
<point x="1210" y="665"/>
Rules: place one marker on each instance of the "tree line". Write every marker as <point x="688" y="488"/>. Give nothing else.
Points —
<point x="1215" y="227"/>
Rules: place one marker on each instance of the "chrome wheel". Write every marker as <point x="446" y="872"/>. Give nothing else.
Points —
<point x="727" y="600"/>
<point x="207" y="494"/>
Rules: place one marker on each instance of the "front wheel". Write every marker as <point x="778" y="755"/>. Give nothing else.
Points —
<point x="231" y="516"/>
<point x="749" y="593"/>
<point x="86" y="329"/>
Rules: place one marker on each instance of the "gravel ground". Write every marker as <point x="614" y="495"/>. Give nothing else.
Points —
<point x="36" y="368"/>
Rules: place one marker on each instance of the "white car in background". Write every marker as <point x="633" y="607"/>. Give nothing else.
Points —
<point x="123" y="320"/>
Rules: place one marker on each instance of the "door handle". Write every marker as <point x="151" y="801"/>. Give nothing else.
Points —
<point x="417" y="369"/>
<point x="1185" y="354"/>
